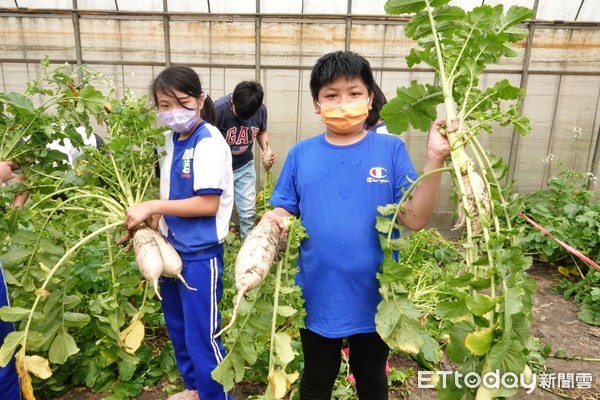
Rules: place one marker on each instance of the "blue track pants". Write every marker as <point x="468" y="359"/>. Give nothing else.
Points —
<point x="192" y="319"/>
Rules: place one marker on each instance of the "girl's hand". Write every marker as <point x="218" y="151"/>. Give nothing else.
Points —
<point x="138" y="213"/>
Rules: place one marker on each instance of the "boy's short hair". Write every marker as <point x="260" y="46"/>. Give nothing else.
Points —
<point x="247" y="98"/>
<point x="340" y="63"/>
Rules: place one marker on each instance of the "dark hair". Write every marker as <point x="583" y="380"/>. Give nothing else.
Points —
<point x="340" y="63"/>
<point x="208" y="112"/>
<point x="247" y="98"/>
<point x="185" y="80"/>
<point x="379" y="101"/>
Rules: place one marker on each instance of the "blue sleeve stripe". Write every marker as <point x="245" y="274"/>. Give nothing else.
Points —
<point x="209" y="191"/>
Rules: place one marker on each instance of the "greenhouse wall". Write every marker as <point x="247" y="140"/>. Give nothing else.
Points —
<point x="277" y="42"/>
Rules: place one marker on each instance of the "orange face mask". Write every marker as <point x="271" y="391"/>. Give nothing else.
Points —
<point x="345" y="118"/>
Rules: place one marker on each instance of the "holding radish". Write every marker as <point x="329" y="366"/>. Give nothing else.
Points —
<point x="335" y="182"/>
<point x="196" y="200"/>
<point x="155" y="256"/>
<point x="253" y="262"/>
<point x="193" y="211"/>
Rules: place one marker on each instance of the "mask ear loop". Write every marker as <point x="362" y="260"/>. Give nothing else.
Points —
<point x="200" y="100"/>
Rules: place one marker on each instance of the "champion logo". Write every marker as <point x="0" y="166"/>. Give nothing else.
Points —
<point x="378" y="172"/>
<point x="377" y="175"/>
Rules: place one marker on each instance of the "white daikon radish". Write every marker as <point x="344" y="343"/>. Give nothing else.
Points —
<point x="148" y="256"/>
<point x="172" y="264"/>
<point x="253" y="262"/>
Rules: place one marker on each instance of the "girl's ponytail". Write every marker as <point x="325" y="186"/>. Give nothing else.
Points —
<point x="208" y="112"/>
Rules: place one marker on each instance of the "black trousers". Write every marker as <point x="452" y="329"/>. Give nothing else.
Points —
<point x="322" y="359"/>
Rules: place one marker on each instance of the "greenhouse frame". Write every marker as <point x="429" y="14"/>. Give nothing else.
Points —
<point x="277" y="42"/>
<point x="442" y="242"/>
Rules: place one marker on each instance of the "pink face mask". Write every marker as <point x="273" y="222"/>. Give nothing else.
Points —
<point x="181" y="120"/>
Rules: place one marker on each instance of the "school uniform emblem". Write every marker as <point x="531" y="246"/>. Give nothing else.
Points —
<point x="186" y="163"/>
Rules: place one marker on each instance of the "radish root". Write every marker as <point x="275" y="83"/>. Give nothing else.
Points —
<point x="155" y="256"/>
<point x="253" y="262"/>
<point x="148" y="257"/>
<point x="172" y="264"/>
<point x="478" y="200"/>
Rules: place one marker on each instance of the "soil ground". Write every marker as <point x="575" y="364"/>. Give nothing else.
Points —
<point x="555" y="323"/>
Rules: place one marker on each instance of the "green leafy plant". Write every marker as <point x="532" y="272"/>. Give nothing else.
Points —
<point x="487" y="309"/>
<point x="77" y="296"/>
<point x="263" y="197"/>
<point x="567" y="209"/>
<point x="263" y="343"/>
<point x="67" y="105"/>
<point x="411" y="289"/>
<point x="585" y="291"/>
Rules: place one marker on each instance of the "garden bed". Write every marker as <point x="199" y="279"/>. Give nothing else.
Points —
<point x="555" y="323"/>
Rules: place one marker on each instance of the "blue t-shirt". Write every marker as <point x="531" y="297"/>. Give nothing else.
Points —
<point x="198" y="165"/>
<point x="336" y="191"/>
<point x="239" y="133"/>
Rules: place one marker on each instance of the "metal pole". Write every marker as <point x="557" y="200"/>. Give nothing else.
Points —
<point x="348" y="26"/>
<point x="257" y="73"/>
<point x="579" y="9"/>
<point x="167" y="34"/>
<point x="595" y="166"/>
<point x="121" y="55"/>
<point x="548" y="167"/>
<point x="300" y="79"/>
<point x="257" y="30"/>
<point x="210" y="49"/>
<point x="516" y="137"/>
<point x="77" y="33"/>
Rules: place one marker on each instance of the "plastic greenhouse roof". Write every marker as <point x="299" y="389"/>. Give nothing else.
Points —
<point x="560" y="10"/>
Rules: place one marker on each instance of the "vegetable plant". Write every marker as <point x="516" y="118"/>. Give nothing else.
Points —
<point x="264" y="337"/>
<point x="85" y="210"/>
<point x="585" y="291"/>
<point x="487" y="309"/>
<point x="253" y="262"/>
<point x="567" y="209"/>
<point x="67" y="104"/>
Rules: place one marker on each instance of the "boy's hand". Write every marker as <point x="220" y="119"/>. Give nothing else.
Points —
<point x="273" y="216"/>
<point x="438" y="146"/>
<point x="268" y="158"/>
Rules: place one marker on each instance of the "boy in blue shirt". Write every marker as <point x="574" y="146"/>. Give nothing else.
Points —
<point x="335" y="182"/>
